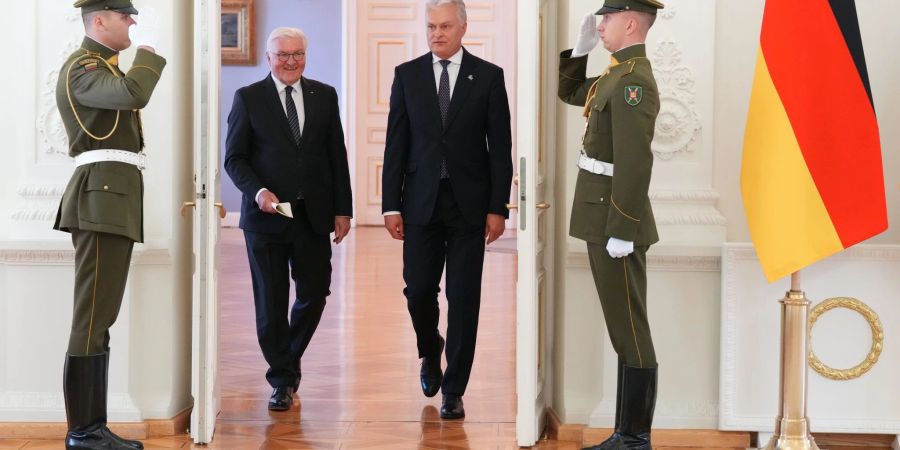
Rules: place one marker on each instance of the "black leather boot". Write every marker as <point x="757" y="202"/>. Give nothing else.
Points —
<point x="611" y="442"/>
<point x="638" y="403"/>
<point x="84" y="388"/>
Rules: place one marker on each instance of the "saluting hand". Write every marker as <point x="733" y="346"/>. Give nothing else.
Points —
<point x="494" y="228"/>
<point x="588" y="36"/>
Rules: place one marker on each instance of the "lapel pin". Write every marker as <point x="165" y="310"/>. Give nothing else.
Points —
<point x="471" y="77"/>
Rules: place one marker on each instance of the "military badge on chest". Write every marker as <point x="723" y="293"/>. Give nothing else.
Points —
<point x="634" y="95"/>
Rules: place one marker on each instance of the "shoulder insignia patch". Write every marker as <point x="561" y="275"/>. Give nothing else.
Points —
<point x="634" y="95"/>
<point x="89" y="64"/>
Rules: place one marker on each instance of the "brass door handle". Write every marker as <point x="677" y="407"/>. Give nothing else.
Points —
<point x="185" y="206"/>
<point x="512" y="206"/>
<point x="222" y="210"/>
<point x="542" y="206"/>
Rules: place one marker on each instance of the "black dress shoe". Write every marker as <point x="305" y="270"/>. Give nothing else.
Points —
<point x="430" y="374"/>
<point x="282" y="399"/>
<point x="452" y="407"/>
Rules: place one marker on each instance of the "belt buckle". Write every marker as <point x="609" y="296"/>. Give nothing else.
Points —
<point x="599" y="168"/>
<point x="142" y="157"/>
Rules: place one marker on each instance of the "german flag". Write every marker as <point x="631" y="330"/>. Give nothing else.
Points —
<point x="811" y="178"/>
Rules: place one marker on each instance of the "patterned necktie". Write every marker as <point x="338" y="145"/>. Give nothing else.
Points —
<point x="292" y="117"/>
<point x="444" y="103"/>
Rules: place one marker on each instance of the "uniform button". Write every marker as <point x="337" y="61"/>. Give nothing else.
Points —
<point x="105" y="188"/>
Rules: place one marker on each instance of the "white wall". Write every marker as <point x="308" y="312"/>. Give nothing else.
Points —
<point x="718" y="41"/>
<point x="150" y="375"/>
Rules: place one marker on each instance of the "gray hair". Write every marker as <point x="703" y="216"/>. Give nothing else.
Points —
<point x="286" y="32"/>
<point x="460" y="7"/>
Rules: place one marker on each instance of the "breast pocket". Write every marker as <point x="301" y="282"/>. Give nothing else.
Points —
<point x="599" y="123"/>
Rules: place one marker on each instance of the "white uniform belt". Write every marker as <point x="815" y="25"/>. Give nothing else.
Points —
<point x="93" y="156"/>
<point x="594" y="166"/>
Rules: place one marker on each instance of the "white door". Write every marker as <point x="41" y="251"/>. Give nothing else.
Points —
<point x="207" y="213"/>
<point x="384" y="34"/>
<point x="535" y="141"/>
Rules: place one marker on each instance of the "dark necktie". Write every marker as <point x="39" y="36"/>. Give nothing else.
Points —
<point x="444" y="103"/>
<point x="292" y="117"/>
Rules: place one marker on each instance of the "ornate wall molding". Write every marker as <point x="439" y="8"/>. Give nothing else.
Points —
<point x="847" y="272"/>
<point x="678" y="126"/>
<point x="121" y="407"/>
<point x="41" y="202"/>
<point x="41" y="191"/>
<point x="52" y="136"/>
<point x="661" y="263"/>
<point x="690" y="207"/>
<point x="669" y="12"/>
<point x="57" y="257"/>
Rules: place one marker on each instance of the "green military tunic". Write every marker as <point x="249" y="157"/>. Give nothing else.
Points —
<point x="620" y="133"/>
<point x="103" y="203"/>
<point x="100" y="108"/>
<point x="620" y="107"/>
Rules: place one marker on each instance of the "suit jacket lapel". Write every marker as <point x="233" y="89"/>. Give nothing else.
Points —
<point x="429" y="89"/>
<point x="310" y="97"/>
<point x="462" y="88"/>
<point x="277" y="109"/>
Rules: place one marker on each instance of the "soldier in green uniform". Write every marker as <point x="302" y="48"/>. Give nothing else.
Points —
<point x="611" y="209"/>
<point x="102" y="205"/>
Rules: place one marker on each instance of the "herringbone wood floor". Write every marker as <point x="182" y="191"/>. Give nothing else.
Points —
<point x="360" y="374"/>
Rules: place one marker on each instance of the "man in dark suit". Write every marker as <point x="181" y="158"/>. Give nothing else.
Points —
<point x="446" y="181"/>
<point x="285" y="144"/>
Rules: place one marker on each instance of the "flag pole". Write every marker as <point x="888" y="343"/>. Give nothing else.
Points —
<point x="792" y="424"/>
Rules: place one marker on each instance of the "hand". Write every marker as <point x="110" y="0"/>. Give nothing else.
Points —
<point x="341" y="228"/>
<point x="494" y="228"/>
<point x="588" y="36"/>
<point x="265" y="200"/>
<point x="618" y="248"/>
<point x="148" y="48"/>
<point x="394" y="225"/>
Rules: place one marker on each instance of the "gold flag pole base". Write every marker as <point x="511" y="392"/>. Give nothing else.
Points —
<point x="792" y="425"/>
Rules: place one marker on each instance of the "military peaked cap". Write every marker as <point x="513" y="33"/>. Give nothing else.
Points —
<point x="122" y="6"/>
<point x="614" y="6"/>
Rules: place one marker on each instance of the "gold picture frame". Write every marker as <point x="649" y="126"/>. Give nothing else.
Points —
<point x="238" y="28"/>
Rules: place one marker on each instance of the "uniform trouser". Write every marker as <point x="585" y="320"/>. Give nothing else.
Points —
<point x="447" y="238"/>
<point x="622" y="287"/>
<point x="101" y="269"/>
<point x="307" y="255"/>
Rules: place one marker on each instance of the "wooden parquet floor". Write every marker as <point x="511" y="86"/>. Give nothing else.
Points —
<point x="360" y="386"/>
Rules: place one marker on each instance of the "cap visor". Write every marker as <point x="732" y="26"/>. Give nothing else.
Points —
<point x="606" y="10"/>
<point x="128" y="10"/>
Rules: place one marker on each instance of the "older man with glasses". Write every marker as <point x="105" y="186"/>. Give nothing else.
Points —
<point x="285" y="151"/>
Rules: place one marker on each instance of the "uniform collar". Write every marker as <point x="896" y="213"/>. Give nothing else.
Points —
<point x="96" y="48"/>
<point x="630" y="52"/>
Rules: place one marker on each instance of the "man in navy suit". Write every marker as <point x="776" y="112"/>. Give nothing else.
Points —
<point x="446" y="181"/>
<point x="285" y="144"/>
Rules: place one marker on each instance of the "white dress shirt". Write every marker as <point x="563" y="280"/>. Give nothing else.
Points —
<point x="452" y="69"/>
<point x="452" y="72"/>
<point x="297" y="95"/>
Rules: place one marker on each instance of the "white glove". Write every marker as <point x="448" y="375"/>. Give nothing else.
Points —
<point x="618" y="248"/>
<point x="588" y="36"/>
<point x="146" y="33"/>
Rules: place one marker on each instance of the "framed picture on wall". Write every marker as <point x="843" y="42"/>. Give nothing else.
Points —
<point x="238" y="33"/>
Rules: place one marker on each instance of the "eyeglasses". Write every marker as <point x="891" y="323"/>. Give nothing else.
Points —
<point x="284" y="57"/>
